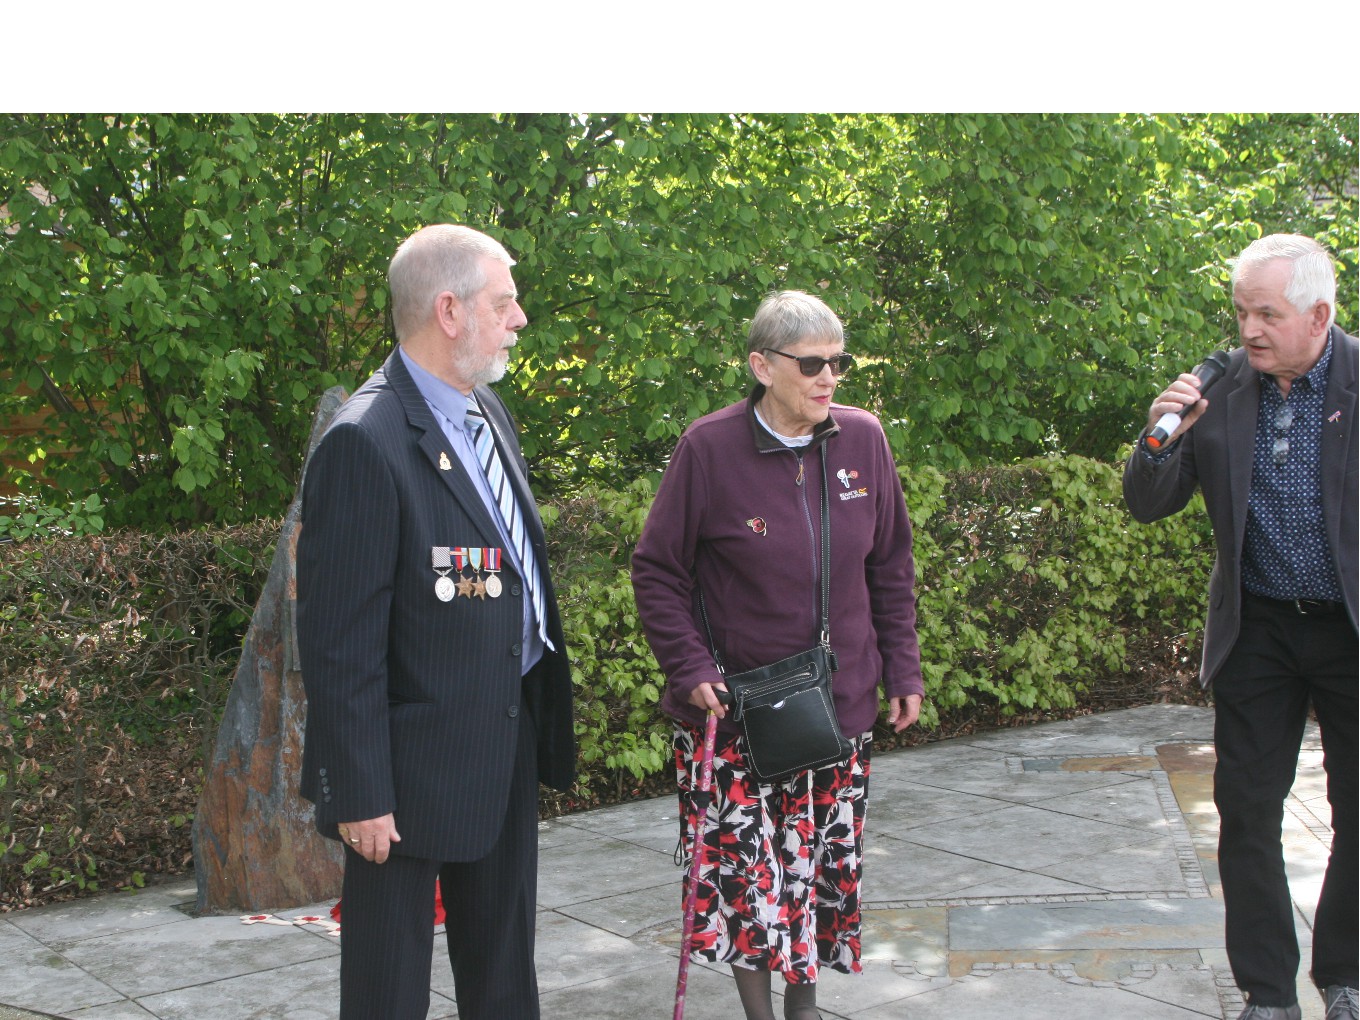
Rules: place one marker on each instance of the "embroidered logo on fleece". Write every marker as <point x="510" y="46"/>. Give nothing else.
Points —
<point x="845" y="478"/>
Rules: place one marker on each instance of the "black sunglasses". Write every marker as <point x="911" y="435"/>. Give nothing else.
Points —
<point x="810" y="364"/>
<point x="1279" y="450"/>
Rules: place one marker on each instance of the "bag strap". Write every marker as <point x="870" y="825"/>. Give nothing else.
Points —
<point x="824" y="580"/>
<point x="826" y="557"/>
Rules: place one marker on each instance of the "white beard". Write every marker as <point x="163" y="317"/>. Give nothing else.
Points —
<point x="478" y="370"/>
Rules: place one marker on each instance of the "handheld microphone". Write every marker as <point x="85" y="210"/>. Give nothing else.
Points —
<point x="1208" y="373"/>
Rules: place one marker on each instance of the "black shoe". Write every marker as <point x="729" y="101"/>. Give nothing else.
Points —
<point x="1272" y="1013"/>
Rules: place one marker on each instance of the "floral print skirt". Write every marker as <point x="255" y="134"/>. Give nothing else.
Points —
<point x="779" y="877"/>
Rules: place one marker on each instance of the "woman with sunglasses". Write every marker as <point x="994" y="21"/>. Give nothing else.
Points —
<point x="737" y="516"/>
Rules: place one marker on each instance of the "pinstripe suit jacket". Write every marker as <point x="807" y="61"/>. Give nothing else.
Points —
<point x="1216" y="454"/>
<point x="412" y="703"/>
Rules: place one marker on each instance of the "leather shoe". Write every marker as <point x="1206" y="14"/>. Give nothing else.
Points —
<point x="1341" y="1002"/>
<point x="1271" y="1013"/>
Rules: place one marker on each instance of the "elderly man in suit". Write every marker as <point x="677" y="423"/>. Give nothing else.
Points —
<point x="438" y="689"/>
<point x="1273" y="447"/>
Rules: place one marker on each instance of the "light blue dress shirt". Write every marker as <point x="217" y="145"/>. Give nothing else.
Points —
<point x="449" y="407"/>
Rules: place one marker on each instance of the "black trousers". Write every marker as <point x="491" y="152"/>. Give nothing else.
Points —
<point x="387" y="921"/>
<point x="1282" y="663"/>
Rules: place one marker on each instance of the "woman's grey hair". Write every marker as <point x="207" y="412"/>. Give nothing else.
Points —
<point x="432" y="260"/>
<point x="1313" y="278"/>
<point x="788" y="316"/>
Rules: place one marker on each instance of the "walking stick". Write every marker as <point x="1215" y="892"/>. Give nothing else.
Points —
<point x="701" y="801"/>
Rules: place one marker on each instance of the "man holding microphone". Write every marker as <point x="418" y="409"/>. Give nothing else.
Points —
<point x="1273" y="447"/>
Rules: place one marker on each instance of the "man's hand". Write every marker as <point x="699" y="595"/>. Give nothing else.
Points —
<point x="902" y="712"/>
<point x="371" y="839"/>
<point x="1183" y="393"/>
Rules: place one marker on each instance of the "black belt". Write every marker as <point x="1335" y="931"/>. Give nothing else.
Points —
<point x="1300" y="607"/>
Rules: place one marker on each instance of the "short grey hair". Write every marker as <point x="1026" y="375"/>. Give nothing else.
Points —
<point x="1313" y="277"/>
<point x="435" y="259"/>
<point x="788" y="316"/>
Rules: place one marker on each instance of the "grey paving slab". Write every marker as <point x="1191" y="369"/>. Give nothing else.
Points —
<point x="441" y="1008"/>
<point x="1150" y="866"/>
<point x="10" y="1013"/>
<point x="1133" y="804"/>
<point x="1192" y="986"/>
<point x="571" y="952"/>
<point x="125" y="1009"/>
<point x="559" y="833"/>
<point x="652" y="823"/>
<point x="145" y="961"/>
<point x="1107" y="733"/>
<point x="646" y="993"/>
<point x="1018" y="884"/>
<point x="1026" y="837"/>
<point x="40" y="978"/>
<point x="881" y="984"/>
<point x="897" y="870"/>
<point x="104" y="915"/>
<point x="919" y="934"/>
<point x="1018" y="994"/>
<point x="907" y="762"/>
<point x="1110" y="924"/>
<point x="998" y="783"/>
<point x="629" y="913"/>
<point x="599" y="868"/>
<point x="301" y="991"/>
<point x="896" y="806"/>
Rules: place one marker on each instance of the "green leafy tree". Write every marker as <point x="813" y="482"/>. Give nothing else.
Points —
<point x="177" y="291"/>
<point x="1043" y="275"/>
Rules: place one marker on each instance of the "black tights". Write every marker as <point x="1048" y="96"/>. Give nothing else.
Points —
<point x="753" y="986"/>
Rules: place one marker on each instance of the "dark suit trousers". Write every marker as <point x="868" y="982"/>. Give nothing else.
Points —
<point x="387" y="926"/>
<point x="1283" y="662"/>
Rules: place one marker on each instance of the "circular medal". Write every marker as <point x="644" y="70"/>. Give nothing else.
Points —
<point x="493" y="586"/>
<point x="444" y="589"/>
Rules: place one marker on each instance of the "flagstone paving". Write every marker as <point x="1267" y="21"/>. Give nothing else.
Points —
<point x="1064" y="871"/>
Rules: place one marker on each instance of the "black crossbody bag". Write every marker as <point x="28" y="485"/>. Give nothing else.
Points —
<point x="785" y="710"/>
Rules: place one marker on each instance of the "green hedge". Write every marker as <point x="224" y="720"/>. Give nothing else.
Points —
<point x="117" y="652"/>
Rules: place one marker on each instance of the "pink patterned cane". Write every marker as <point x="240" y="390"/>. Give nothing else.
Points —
<point x="701" y="802"/>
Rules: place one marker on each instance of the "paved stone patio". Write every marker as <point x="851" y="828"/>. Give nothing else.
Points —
<point x="1064" y="871"/>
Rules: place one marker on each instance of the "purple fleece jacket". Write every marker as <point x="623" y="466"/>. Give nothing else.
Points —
<point x="740" y="511"/>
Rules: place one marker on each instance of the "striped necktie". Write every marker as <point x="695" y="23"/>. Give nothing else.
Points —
<point x="511" y="515"/>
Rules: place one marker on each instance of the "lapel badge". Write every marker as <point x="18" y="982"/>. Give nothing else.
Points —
<point x="1335" y="417"/>
<point x="444" y="463"/>
<point x="757" y="524"/>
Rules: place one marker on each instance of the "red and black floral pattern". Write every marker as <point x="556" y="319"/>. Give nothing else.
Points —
<point x="779" y="878"/>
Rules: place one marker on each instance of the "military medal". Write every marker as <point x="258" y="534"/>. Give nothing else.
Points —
<point x="460" y="561"/>
<point x="443" y="588"/>
<point x="493" y="565"/>
<point x="474" y="555"/>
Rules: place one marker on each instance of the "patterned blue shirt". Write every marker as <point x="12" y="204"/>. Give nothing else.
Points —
<point x="1285" y="553"/>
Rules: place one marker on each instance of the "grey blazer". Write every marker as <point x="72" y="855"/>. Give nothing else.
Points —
<point x="1216" y="455"/>
<point x="412" y="702"/>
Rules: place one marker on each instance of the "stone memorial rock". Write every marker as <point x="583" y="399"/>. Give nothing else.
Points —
<point x="255" y="847"/>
